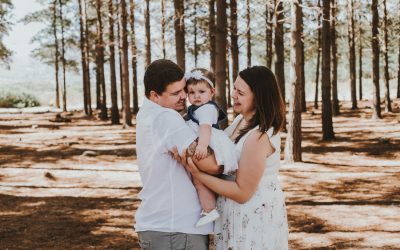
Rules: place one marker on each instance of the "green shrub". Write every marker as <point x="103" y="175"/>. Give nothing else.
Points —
<point x="18" y="101"/>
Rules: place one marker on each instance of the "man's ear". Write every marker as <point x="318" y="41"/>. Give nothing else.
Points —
<point x="154" y="96"/>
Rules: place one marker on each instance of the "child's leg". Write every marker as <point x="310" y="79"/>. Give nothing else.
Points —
<point x="206" y="196"/>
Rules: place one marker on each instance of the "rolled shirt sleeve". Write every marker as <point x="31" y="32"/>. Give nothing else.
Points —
<point x="207" y="114"/>
<point x="173" y="131"/>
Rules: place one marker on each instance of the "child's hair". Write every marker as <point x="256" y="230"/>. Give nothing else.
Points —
<point x="205" y="73"/>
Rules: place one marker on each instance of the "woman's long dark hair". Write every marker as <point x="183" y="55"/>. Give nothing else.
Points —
<point x="269" y="104"/>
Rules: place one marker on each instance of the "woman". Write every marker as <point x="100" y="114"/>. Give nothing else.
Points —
<point x="252" y="207"/>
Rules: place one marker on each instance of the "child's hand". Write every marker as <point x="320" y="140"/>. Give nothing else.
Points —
<point x="201" y="152"/>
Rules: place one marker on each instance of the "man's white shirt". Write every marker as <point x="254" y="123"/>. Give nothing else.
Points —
<point x="169" y="199"/>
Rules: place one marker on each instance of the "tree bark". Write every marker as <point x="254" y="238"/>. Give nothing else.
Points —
<point x="293" y="139"/>
<point x="228" y="80"/>
<point x="360" y="55"/>
<point x="398" y="70"/>
<point x="388" y="106"/>
<point x="269" y="12"/>
<point x="87" y="59"/>
<point x="376" y="107"/>
<point x="279" y="46"/>
<point x="134" y="58"/>
<point x="113" y="78"/>
<point x="162" y="27"/>
<point x="126" y="114"/>
<point x="195" y="33"/>
<point x="64" y="93"/>
<point x="327" y="127"/>
<point x="248" y="33"/>
<point x="211" y="34"/>
<point x="335" y="100"/>
<point x="100" y="61"/>
<point x="318" y="57"/>
<point x="147" y="29"/>
<point x="83" y="57"/>
<point x="179" y="26"/>
<point x="234" y="40"/>
<point x="352" y="53"/>
<point x="220" y="58"/>
<point x="302" y="61"/>
<point x="57" y="53"/>
<point x="119" y="59"/>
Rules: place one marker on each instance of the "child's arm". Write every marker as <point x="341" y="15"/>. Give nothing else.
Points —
<point x="204" y="141"/>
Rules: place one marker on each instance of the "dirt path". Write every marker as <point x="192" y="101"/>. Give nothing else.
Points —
<point x="74" y="185"/>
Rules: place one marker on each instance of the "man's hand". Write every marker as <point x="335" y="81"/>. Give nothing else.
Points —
<point x="175" y="154"/>
<point x="201" y="152"/>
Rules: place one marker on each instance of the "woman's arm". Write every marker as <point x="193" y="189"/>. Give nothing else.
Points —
<point x="251" y="169"/>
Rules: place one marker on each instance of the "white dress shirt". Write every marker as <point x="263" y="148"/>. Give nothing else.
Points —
<point x="169" y="199"/>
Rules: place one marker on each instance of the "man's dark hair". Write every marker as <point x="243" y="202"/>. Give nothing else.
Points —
<point x="159" y="74"/>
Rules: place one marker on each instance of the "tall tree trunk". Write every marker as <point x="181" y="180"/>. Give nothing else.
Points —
<point x="293" y="139"/>
<point x="57" y="53"/>
<point x="83" y="57"/>
<point x="398" y="66"/>
<point x="98" y="84"/>
<point x="162" y="28"/>
<point x="248" y="33"/>
<point x="269" y="12"/>
<point x="147" y="29"/>
<point x="126" y="114"/>
<point x="335" y="100"/>
<point x="302" y="61"/>
<point x="179" y="26"/>
<point x="212" y="31"/>
<point x="318" y="57"/>
<point x="87" y="58"/>
<point x="228" y="80"/>
<point x="220" y="58"/>
<point x="121" y="82"/>
<point x="376" y="107"/>
<point x="134" y="58"/>
<point x="195" y="33"/>
<point x="327" y="127"/>
<point x="234" y="39"/>
<point x="63" y="57"/>
<point x="352" y="53"/>
<point x="100" y="60"/>
<point x="113" y="78"/>
<point x="360" y="55"/>
<point x="388" y="106"/>
<point x="279" y="46"/>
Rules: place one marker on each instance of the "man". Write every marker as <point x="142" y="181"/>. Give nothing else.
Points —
<point x="170" y="207"/>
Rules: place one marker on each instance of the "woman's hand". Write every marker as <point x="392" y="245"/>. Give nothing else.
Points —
<point x="190" y="166"/>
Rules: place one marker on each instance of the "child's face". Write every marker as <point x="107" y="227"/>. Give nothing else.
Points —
<point x="200" y="93"/>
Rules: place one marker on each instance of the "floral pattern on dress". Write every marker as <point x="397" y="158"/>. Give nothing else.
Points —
<point x="261" y="222"/>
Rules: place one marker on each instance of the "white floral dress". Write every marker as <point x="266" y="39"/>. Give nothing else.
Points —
<point x="261" y="222"/>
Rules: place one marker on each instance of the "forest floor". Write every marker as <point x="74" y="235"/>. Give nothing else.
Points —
<point x="74" y="185"/>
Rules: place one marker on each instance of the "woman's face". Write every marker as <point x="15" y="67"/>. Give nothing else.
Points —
<point x="243" y="98"/>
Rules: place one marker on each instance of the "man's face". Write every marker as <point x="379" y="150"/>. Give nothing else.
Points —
<point x="174" y="96"/>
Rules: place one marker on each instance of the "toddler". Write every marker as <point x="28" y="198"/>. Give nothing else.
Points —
<point x="203" y="116"/>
